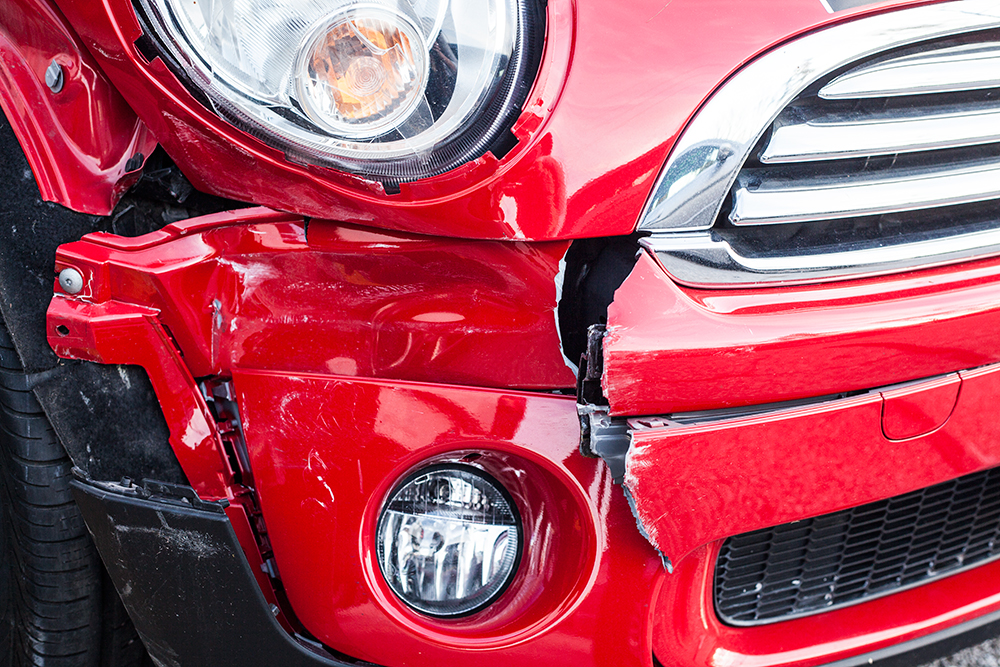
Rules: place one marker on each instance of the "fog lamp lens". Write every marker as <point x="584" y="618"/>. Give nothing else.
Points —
<point x="449" y="541"/>
<point x="363" y="71"/>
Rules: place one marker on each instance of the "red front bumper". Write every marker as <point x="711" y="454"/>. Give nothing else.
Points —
<point x="352" y="367"/>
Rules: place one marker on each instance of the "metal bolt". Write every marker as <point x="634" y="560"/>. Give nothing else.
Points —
<point x="54" y="77"/>
<point x="71" y="281"/>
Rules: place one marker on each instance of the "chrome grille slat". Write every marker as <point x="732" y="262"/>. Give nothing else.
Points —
<point x="948" y="70"/>
<point x="704" y="260"/>
<point x="809" y="200"/>
<point x="810" y="171"/>
<point x="878" y="134"/>
<point x="702" y="167"/>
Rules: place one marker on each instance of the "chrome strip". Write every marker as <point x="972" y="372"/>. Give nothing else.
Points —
<point x="808" y="201"/>
<point x="702" y="259"/>
<point x="950" y="70"/>
<point x="821" y="139"/>
<point x="706" y="159"/>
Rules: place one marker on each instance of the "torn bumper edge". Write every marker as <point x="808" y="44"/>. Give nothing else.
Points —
<point x="693" y="483"/>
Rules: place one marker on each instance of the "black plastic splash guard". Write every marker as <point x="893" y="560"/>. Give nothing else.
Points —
<point x="186" y="583"/>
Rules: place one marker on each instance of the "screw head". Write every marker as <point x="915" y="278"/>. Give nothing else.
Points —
<point x="54" y="77"/>
<point x="71" y="281"/>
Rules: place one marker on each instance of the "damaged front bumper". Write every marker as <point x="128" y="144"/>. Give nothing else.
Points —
<point x="193" y="596"/>
<point x="728" y="412"/>
<point x="352" y="358"/>
<point x="292" y="362"/>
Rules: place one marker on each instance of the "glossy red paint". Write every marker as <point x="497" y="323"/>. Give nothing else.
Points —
<point x="697" y="483"/>
<point x="326" y="452"/>
<point x="687" y="633"/>
<point x="918" y="409"/>
<point x="78" y="140"/>
<point x="332" y="333"/>
<point x="724" y="348"/>
<point x="593" y="134"/>
<point x="322" y="472"/>
<point x="255" y="288"/>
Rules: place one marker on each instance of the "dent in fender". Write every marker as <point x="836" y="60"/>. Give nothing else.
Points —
<point x="347" y="439"/>
<point x="254" y="288"/>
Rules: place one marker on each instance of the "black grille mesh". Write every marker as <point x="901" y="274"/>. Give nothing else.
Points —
<point x="838" y="559"/>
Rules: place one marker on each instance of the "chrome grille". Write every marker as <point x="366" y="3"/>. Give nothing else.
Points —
<point x="883" y="161"/>
<point x="820" y="160"/>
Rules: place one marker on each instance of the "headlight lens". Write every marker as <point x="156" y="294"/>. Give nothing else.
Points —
<point x="449" y="541"/>
<point x="391" y="89"/>
<point x="362" y="71"/>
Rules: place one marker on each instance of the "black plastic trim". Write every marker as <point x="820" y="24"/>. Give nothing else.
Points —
<point x="923" y="649"/>
<point x="185" y="581"/>
<point x="929" y="647"/>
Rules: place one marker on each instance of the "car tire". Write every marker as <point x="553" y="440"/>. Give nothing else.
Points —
<point x="60" y="608"/>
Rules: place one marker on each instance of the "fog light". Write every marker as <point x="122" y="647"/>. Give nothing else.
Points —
<point x="449" y="540"/>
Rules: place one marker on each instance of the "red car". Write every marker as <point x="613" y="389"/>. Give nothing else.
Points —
<point x="427" y="332"/>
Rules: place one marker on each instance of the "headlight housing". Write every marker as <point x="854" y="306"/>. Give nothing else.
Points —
<point x="394" y="90"/>
<point x="449" y="540"/>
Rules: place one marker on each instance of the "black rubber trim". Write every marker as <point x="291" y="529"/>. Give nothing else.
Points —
<point x="186" y="582"/>
<point x="930" y="647"/>
<point x="923" y="649"/>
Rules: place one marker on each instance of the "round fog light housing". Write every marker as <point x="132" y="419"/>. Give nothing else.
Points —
<point x="449" y="540"/>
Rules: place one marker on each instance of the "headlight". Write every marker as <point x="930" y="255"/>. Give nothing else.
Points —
<point x="449" y="541"/>
<point x="391" y="89"/>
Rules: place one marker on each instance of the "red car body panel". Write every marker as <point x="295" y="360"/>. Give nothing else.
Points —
<point x="586" y="536"/>
<point x="363" y="349"/>
<point x="79" y="142"/>
<point x="697" y="483"/>
<point x="595" y="130"/>
<point x="724" y="348"/>
<point x="254" y="289"/>
<point x="321" y="488"/>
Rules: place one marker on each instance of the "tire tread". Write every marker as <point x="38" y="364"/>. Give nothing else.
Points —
<point x="61" y="608"/>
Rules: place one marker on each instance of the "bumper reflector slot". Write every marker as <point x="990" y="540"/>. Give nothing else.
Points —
<point x="847" y="557"/>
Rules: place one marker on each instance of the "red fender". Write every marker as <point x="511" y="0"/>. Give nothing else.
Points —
<point x="81" y="140"/>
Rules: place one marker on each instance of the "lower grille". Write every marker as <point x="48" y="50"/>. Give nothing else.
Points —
<point x="847" y="557"/>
